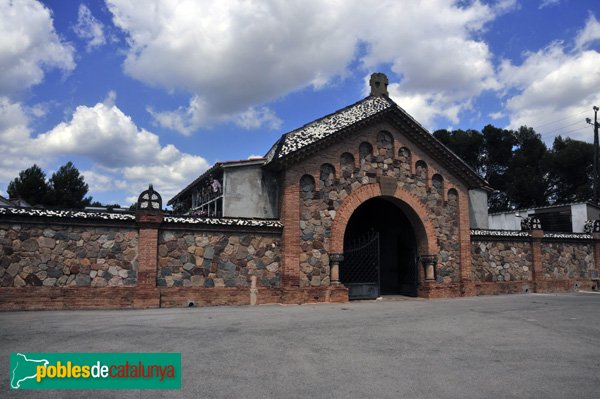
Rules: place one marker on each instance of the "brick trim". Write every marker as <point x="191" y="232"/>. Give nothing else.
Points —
<point x="537" y="261"/>
<point x="290" y="240"/>
<point x="464" y="232"/>
<point x="412" y="207"/>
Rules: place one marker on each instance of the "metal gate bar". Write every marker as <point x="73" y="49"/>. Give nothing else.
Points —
<point x="359" y="271"/>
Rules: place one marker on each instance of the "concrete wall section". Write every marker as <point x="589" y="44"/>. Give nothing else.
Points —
<point x="581" y="213"/>
<point x="478" y="209"/>
<point x="249" y="192"/>
<point x="505" y="221"/>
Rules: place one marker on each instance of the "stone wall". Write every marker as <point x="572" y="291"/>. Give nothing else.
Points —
<point x="520" y="261"/>
<point x="218" y="259"/>
<point x="60" y="256"/>
<point x="567" y="260"/>
<point x="501" y="261"/>
<point x="326" y="180"/>
<point x="58" y="259"/>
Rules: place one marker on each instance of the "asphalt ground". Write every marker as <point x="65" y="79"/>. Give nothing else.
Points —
<point x="517" y="346"/>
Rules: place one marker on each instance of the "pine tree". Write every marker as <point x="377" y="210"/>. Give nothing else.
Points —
<point x="30" y="186"/>
<point x="68" y="188"/>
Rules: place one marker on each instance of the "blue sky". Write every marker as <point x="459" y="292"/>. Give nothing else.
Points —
<point x="157" y="91"/>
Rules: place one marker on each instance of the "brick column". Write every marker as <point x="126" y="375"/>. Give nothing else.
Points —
<point x="596" y="237"/>
<point x="595" y="276"/>
<point x="536" y="252"/>
<point x="290" y="217"/>
<point x="464" y="232"/>
<point x="149" y="223"/>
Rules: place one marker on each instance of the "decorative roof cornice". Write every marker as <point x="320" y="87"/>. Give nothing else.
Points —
<point x="326" y="126"/>
<point x="238" y="222"/>
<point x="66" y="214"/>
<point x="299" y="143"/>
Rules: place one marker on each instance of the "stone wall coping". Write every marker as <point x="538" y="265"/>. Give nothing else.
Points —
<point x="237" y="222"/>
<point x="527" y="234"/>
<point x="66" y="214"/>
<point x="568" y="236"/>
<point x="500" y="233"/>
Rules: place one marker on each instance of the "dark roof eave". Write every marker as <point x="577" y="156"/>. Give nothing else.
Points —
<point x="210" y="170"/>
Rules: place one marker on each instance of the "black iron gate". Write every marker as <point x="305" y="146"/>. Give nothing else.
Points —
<point x="360" y="271"/>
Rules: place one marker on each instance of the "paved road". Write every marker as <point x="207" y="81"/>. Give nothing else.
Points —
<point x="520" y="346"/>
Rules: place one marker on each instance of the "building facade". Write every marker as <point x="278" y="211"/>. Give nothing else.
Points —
<point x="360" y="203"/>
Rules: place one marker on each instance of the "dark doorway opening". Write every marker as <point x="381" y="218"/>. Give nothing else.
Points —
<point x="397" y="260"/>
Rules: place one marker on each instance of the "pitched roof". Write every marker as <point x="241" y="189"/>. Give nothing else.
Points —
<point x="328" y="125"/>
<point x="308" y="139"/>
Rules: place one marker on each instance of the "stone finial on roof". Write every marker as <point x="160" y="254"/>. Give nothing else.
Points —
<point x="379" y="83"/>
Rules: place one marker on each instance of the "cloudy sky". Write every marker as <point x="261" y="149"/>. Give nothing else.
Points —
<point x="156" y="91"/>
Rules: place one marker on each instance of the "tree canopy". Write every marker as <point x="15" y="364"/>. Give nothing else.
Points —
<point x="68" y="188"/>
<point x="65" y="189"/>
<point x="520" y="167"/>
<point x="30" y="186"/>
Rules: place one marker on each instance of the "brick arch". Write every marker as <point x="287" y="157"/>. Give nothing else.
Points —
<point x="410" y="205"/>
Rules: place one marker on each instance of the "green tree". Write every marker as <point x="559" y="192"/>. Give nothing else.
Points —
<point x="68" y="188"/>
<point x="496" y="154"/>
<point x="570" y="170"/>
<point x="526" y="174"/>
<point x="30" y="186"/>
<point x="467" y="144"/>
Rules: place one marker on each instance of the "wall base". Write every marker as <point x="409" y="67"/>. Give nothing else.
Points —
<point x="432" y="290"/>
<point x="524" y="287"/>
<point x="54" y="298"/>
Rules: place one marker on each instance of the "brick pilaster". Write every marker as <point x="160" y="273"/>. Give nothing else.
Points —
<point x="464" y="231"/>
<point x="596" y="251"/>
<point x="149" y="224"/>
<point x="536" y="252"/>
<point x="290" y="217"/>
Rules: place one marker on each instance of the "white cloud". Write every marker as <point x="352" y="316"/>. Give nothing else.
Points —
<point x="124" y="156"/>
<point x="89" y="28"/>
<point x="197" y="114"/>
<point x="99" y="182"/>
<point x="548" y="3"/>
<point x="497" y="115"/>
<point x="553" y="87"/>
<point x="114" y="143"/>
<point x="255" y="117"/>
<point x="425" y="108"/>
<point x="234" y="55"/>
<point x="589" y="34"/>
<point x="186" y="120"/>
<point x="14" y="139"/>
<point x="28" y="46"/>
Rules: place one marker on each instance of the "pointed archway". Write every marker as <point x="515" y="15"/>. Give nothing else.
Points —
<point x="418" y="234"/>
<point x="379" y="244"/>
